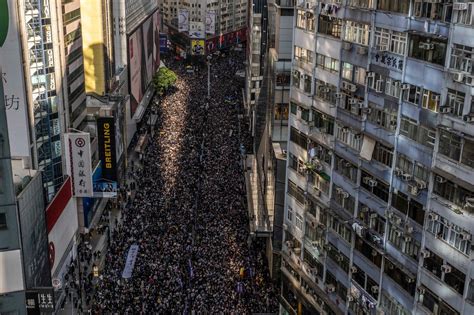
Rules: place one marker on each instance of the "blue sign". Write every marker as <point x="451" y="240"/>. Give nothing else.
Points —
<point x="163" y="43"/>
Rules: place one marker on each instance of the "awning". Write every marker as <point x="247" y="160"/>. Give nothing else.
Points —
<point x="142" y="143"/>
<point x="368" y="145"/>
<point x="144" y="104"/>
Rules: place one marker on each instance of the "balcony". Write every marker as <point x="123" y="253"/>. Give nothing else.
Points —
<point x="456" y="169"/>
<point x="349" y="119"/>
<point x="443" y="291"/>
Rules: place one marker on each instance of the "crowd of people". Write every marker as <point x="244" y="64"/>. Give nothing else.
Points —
<point x="188" y="216"/>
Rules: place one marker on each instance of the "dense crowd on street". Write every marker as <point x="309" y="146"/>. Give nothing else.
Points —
<point x="188" y="216"/>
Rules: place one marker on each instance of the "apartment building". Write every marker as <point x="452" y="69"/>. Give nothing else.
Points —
<point x="220" y="23"/>
<point x="379" y="193"/>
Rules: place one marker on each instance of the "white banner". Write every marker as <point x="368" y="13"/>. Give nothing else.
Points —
<point x="210" y="22"/>
<point x="13" y="80"/>
<point x="196" y="30"/>
<point x="78" y="162"/>
<point x="183" y="20"/>
<point x="130" y="263"/>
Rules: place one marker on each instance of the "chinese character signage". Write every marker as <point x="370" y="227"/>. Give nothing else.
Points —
<point x="40" y="301"/>
<point x="392" y="61"/>
<point x="78" y="161"/>
<point x="107" y="150"/>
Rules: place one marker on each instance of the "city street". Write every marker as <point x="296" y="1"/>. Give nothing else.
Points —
<point x="183" y="244"/>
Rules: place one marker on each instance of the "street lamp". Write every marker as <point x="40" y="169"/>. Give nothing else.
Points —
<point x="209" y="57"/>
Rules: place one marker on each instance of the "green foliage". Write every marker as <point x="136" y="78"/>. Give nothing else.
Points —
<point x="164" y="79"/>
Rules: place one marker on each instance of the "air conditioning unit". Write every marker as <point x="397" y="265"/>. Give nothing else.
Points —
<point x="398" y="172"/>
<point x="366" y="180"/>
<point x="374" y="252"/>
<point x="445" y="109"/>
<point x="339" y="190"/>
<point x="399" y="233"/>
<point x="374" y="215"/>
<point x="362" y="50"/>
<point x="409" y="229"/>
<point x="349" y="86"/>
<point x="421" y="291"/>
<point x="421" y="184"/>
<point x="470" y="80"/>
<point x="446" y="268"/>
<point x="458" y="76"/>
<point x="425" y="253"/>
<point x="324" y="89"/>
<point x="410" y="280"/>
<point x="440" y="179"/>
<point x="408" y="239"/>
<point x="364" y="209"/>
<point x="346" y="46"/>
<point x="406" y="177"/>
<point x="469" y="202"/>
<point x="339" y="95"/>
<point x="372" y="183"/>
<point x="339" y="258"/>
<point x="426" y="46"/>
<point x="459" y="6"/>
<point x="353" y="101"/>
<point x="390" y="215"/>
<point x="367" y="110"/>
<point x="413" y="189"/>
<point x="354" y="269"/>
<point x="397" y="221"/>
<point x="375" y="289"/>
<point x="433" y="216"/>
<point x="469" y="118"/>
<point x="331" y="288"/>
<point x="345" y="195"/>
<point x="350" y="298"/>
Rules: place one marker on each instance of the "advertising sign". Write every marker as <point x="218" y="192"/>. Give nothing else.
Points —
<point x="106" y="146"/>
<point x="197" y="30"/>
<point x="197" y="47"/>
<point x="163" y="43"/>
<point x="157" y="37"/>
<point x="210" y="22"/>
<point x="135" y="61"/>
<point x="13" y="80"/>
<point x="148" y="47"/>
<point x="39" y="301"/>
<point x="103" y="188"/>
<point x="183" y="20"/>
<point x="78" y="162"/>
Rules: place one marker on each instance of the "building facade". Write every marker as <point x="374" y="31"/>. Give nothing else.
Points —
<point x="379" y="193"/>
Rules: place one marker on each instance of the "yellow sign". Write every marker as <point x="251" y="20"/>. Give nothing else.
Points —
<point x="95" y="271"/>
<point x="197" y="47"/>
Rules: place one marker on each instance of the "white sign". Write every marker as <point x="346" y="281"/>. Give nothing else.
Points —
<point x="183" y="20"/>
<point x="196" y="30"/>
<point x="78" y="161"/>
<point x="13" y="83"/>
<point x="210" y="22"/>
<point x="130" y="264"/>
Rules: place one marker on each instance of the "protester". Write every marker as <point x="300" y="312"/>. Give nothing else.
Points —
<point x="188" y="216"/>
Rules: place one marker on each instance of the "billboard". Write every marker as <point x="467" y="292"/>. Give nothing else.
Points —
<point x="143" y="58"/>
<point x="78" y="163"/>
<point x="197" y="46"/>
<point x="183" y="20"/>
<point x="107" y="148"/>
<point x="197" y="30"/>
<point x="210" y="22"/>
<point x="61" y="224"/>
<point x="163" y="43"/>
<point x="16" y="101"/>
<point x="40" y="301"/>
<point x="103" y="188"/>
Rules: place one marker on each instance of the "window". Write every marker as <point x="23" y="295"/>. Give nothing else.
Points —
<point x="428" y="49"/>
<point x="296" y="192"/>
<point x="296" y="78"/>
<point x="303" y="54"/>
<point x="434" y="10"/>
<point x="449" y="145"/>
<point x="298" y="138"/>
<point x="455" y="279"/>
<point x="455" y="101"/>
<point x="413" y="95"/>
<point x="430" y="100"/>
<point x="352" y="104"/>
<point x="375" y="186"/>
<point x="393" y="41"/>
<point x="392" y="306"/>
<point x="404" y="164"/>
<point x="299" y="221"/>
<point x="434" y="304"/>
<point x="3" y="221"/>
<point x="307" y="84"/>
<point x="421" y="134"/>
<point x="346" y="169"/>
<point x="296" y="164"/>
<point x="281" y="111"/>
<point x="330" y="26"/>
<point x="325" y="91"/>
<point x="383" y="117"/>
<point x="338" y="257"/>
<point x="327" y="63"/>
<point x="320" y="152"/>
<point x="323" y="122"/>
<point x="350" y="137"/>
<point x="340" y="228"/>
<point x="320" y="182"/>
<point x="405" y="281"/>
<point x="305" y="20"/>
<point x="461" y="58"/>
<point x="366" y="4"/>
<point x="283" y="79"/>
<point x="343" y="198"/>
<point x="393" y="88"/>
<point x="356" y="32"/>
<point x="289" y="215"/>
<point x="451" y="233"/>
<point x="383" y="154"/>
<point x="400" y="6"/>
<point x="465" y="17"/>
<point x="433" y="264"/>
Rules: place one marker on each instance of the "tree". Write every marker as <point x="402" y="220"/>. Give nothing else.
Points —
<point x="164" y="79"/>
